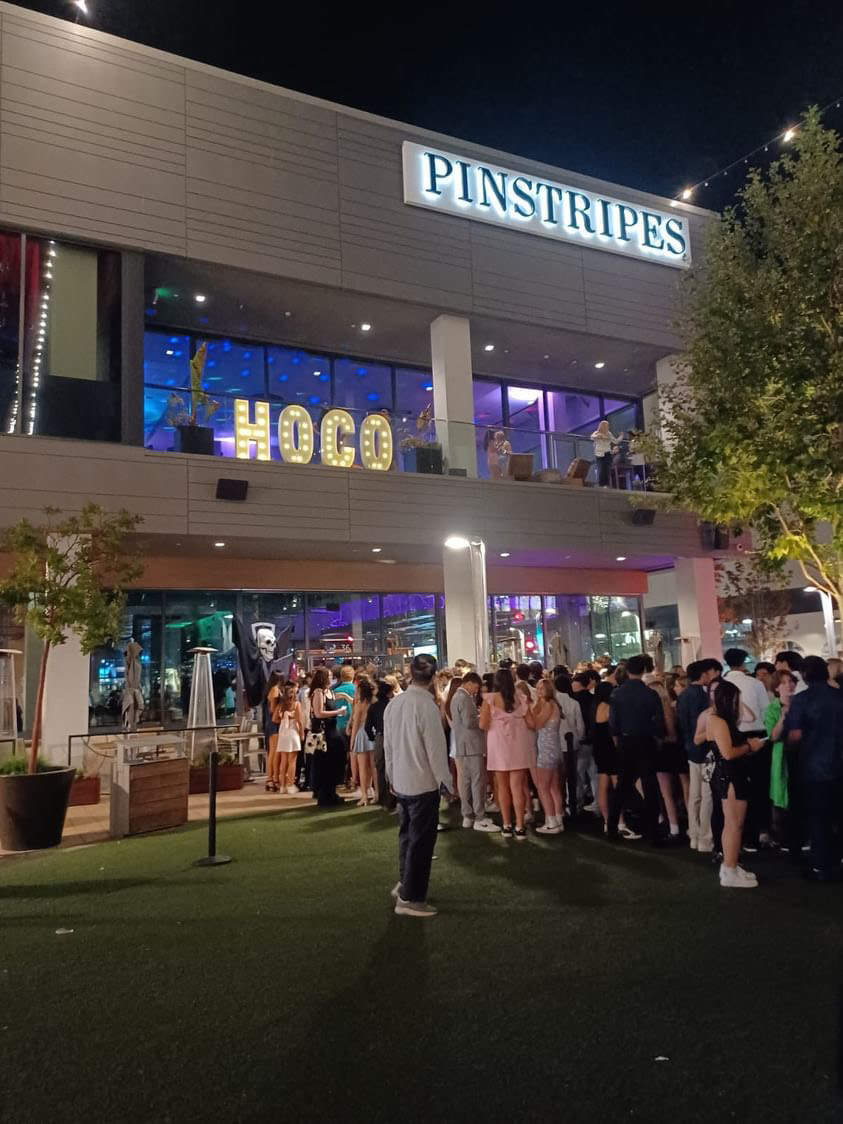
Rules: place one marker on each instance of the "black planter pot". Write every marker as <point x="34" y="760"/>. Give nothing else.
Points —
<point x="424" y="458"/>
<point x="195" y="439"/>
<point x="32" y="809"/>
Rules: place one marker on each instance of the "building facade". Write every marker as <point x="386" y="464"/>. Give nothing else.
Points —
<point x="400" y="337"/>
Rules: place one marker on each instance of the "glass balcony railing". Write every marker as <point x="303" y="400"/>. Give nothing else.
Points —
<point x="419" y="445"/>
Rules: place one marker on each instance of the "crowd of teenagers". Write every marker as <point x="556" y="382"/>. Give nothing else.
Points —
<point x="712" y="757"/>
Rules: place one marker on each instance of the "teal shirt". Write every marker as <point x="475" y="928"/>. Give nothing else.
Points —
<point x="345" y="691"/>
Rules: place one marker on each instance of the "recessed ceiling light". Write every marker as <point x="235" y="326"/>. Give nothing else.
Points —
<point x="504" y="554"/>
<point x="288" y="314"/>
<point x="219" y="544"/>
<point x="387" y="561"/>
<point x="365" y="327"/>
<point x="200" y="298"/>
<point x="547" y="356"/>
<point x="621" y="558"/>
<point x="377" y="549"/>
<point x="599" y="366"/>
<point x="489" y="347"/>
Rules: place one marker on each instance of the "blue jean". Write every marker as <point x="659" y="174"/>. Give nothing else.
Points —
<point x="418" y="817"/>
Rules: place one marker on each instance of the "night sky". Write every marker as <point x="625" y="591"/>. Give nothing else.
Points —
<point x="648" y="95"/>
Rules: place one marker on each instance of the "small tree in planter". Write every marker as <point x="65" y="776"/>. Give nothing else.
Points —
<point x="67" y="576"/>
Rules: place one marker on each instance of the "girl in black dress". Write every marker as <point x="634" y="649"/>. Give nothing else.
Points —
<point x="730" y="783"/>
<point x="328" y="764"/>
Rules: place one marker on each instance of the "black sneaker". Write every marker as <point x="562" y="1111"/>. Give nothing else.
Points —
<point x="520" y="834"/>
<point x="506" y="831"/>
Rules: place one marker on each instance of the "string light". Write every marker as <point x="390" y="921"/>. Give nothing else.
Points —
<point x="784" y="137"/>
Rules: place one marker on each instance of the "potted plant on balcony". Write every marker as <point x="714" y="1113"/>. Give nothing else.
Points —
<point x="66" y="577"/>
<point x="192" y="436"/>
<point x="230" y="775"/>
<point x="420" y="454"/>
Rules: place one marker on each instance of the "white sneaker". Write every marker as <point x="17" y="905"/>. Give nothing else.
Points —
<point x="591" y="808"/>
<point x="549" y="828"/>
<point x="485" y="825"/>
<point x="467" y="821"/>
<point x="414" y="909"/>
<point x="747" y="875"/>
<point x="735" y="879"/>
<point x="292" y="789"/>
<point x="628" y="833"/>
<point x="693" y="844"/>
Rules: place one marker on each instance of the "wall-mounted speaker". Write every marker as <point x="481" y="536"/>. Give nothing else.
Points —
<point x="232" y="489"/>
<point x="643" y="516"/>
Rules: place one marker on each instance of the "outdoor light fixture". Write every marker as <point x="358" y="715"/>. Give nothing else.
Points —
<point x="218" y="545"/>
<point x="788" y="135"/>
<point x="686" y="194"/>
<point x="377" y="549"/>
<point x="200" y="298"/>
<point x="82" y="5"/>
<point x="810" y="589"/>
<point x="457" y="542"/>
<point x="489" y="347"/>
<point x="599" y="366"/>
<point x="365" y="327"/>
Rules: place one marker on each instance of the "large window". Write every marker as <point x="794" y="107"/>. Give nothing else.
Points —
<point x="564" y="629"/>
<point x="409" y="627"/>
<point x="362" y="387"/>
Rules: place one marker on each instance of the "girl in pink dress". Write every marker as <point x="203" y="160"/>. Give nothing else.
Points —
<point x="511" y="749"/>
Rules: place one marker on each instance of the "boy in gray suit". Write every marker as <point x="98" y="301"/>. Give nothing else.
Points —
<point x="468" y="745"/>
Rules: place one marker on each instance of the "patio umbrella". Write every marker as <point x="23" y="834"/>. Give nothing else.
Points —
<point x="133" y="701"/>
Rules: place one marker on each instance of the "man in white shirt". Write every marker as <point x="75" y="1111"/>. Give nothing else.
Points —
<point x="417" y="769"/>
<point x="792" y="661"/>
<point x="754" y="703"/>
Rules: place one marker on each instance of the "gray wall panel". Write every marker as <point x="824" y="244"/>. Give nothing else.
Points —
<point x="111" y="141"/>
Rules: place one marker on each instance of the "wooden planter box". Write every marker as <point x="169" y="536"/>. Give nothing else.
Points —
<point x="149" y="795"/>
<point x="84" y="790"/>
<point x="229" y="778"/>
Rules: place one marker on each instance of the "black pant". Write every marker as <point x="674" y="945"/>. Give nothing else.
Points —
<point x="636" y="758"/>
<point x="385" y="797"/>
<point x="825" y="818"/>
<point x="418" y="817"/>
<point x="717" y="821"/>
<point x="604" y="466"/>
<point x="797" y="815"/>
<point x="759" y="806"/>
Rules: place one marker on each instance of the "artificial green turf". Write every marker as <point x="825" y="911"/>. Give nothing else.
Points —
<point x="282" y="987"/>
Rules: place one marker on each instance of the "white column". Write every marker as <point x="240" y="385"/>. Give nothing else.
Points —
<point x="667" y="372"/>
<point x="699" y="619"/>
<point x="65" y="701"/>
<point x="466" y="605"/>
<point x="453" y="393"/>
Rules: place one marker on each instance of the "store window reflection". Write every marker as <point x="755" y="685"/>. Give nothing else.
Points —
<point x="568" y="630"/>
<point x="616" y="627"/>
<point x="343" y="626"/>
<point x="194" y="620"/>
<point x="519" y="631"/>
<point x="409" y="628"/>
<point x="142" y="622"/>
<point x="362" y="387"/>
<point x="299" y="377"/>
<point x="234" y="368"/>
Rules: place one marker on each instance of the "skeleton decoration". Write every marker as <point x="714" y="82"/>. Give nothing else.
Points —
<point x="258" y="646"/>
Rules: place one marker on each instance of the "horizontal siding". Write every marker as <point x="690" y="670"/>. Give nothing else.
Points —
<point x="176" y="494"/>
<point x="104" y="140"/>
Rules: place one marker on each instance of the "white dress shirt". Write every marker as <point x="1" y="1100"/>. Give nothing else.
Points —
<point x="753" y="699"/>
<point x="414" y="746"/>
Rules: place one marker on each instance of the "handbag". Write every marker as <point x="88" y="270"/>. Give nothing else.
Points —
<point x="709" y="765"/>
<point x="315" y="741"/>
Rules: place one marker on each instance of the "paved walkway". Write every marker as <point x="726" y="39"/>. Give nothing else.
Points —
<point x="89" y="823"/>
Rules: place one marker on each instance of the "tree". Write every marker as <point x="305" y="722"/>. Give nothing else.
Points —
<point x="748" y="592"/>
<point x="751" y="433"/>
<point x="67" y="576"/>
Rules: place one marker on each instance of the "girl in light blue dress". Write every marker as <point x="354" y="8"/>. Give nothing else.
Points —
<point x="361" y="746"/>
